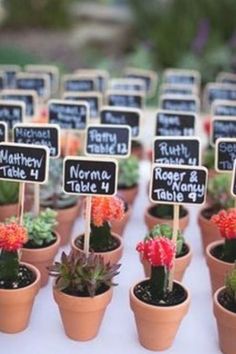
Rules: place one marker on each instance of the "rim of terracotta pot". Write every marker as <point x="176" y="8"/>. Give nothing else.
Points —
<point x="100" y="253"/>
<point x="209" y="255"/>
<point x="127" y="188"/>
<point x="147" y="212"/>
<point x="200" y="216"/>
<point x="161" y="308"/>
<point x="37" y="280"/>
<point x="189" y="253"/>
<point x="218" y="304"/>
<point x="41" y="249"/>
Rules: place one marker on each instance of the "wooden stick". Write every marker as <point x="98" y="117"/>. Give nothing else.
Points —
<point x="36" y="199"/>
<point x="21" y="203"/>
<point x="67" y="143"/>
<point x="174" y="239"/>
<point x="87" y="224"/>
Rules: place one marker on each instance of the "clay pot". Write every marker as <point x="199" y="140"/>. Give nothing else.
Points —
<point x="218" y="269"/>
<point x="41" y="258"/>
<point x="209" y="231"/>
<point x="181" y="264"/>
<point x="226" y="324"/>
<point x="137" y="149"/>
<point x="118" y="227"/>
<point x="128" y="194"/>
<point x="82" y="316"/>
<point x="156" y="325"/>
<point x="111" y="256"/>
<point x="151" y="220"/>
<point x="7" y="211"/>
<point x="66" y="218"/>
<point x="16" y="305"/>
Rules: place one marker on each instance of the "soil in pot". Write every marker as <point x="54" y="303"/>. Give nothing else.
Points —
<point x="227" y="301"/>
<point x="209" y="231"/>
<point x="25" y="277"/>
<point x="113" y="245"/>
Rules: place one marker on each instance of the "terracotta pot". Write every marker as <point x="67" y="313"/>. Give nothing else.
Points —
<point x="157" y="326"/>
<point x="66" y="218"/>
<point x="209" y="231"/>
<point x="151" y="221"/>
<point x="129" y="194"/>
<point x="82" y="316"/>
<point x="138" y="151"/>
<point x="16" y="305"/>
<point x="118" y="227"/>
<point x="111" y="256"/>
<point x="218" y="269"/>
<point x="7" y="211"/>
<point x="41" y="258"/>
<point x="226" y="324"/>
<point x="181" y="264"/>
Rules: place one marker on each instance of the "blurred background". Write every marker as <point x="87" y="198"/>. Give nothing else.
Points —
<point x="110" y="34"/>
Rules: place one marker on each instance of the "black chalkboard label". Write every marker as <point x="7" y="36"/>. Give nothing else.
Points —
<point x="177" y="151"/>
<point x="2" y="81"/>
<point x="127" y="84"/>
<point x="219" y="91"/>
<point x="3" y="131"/>
<point x="28" y="97"/>
<point x="181" y="76"/>
<point x="23" y="163"/>
<point x="51" y="70"/>
<point x="107" y="140"/>
<point x="125" y="99"/>
<point x="178" y="184"/>
<point x="68" y="114"/>
<point x="179" y="103"/>
<point x="149" y="78"/>
<point x="122" y="116"/>
<point x="224" y="127"/>
<point x="226" y="78"/>
<point x="223" y="108"/>
<point x="40" y="83"/>
<point x="10" y="72"/>
<point x="89" y="176"/>
<point x="169" y="123"/>
<point x="94" y="100"/>
<point x="77" y="83"/>
<point x="100" y="75"/>
<point x="39" y="134"/>
<point x="225" y="154"/>
<point x="12" y="112"/>
<point x="169" y="89"/>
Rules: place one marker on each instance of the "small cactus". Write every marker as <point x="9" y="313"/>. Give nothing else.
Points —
<point x="128" y="172"/>
<point x="231" y="284"/>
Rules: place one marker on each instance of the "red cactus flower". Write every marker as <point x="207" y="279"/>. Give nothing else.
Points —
<point x="12" y="237"/>
<point x="226" y="223"/>
<point x="207" y="126"/>
<point x="158" y="252"/>
<point x="106" y="209"/>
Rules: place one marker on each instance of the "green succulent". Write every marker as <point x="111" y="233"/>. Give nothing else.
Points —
<point x="128" y="172"/>
<point x="78" y="274"/>
<point x="9" y="192"/>
<point x="209" y="158"/>
<point x="231" y="284"/>
<point x="219" y="191"/>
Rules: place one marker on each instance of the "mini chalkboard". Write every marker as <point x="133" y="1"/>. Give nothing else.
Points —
<point x="12" y="112"/>
<point x="131" y="99"/>
<point x="177" y="151"/>
<point x="28" y="97"/>
<point x="223" y="127"/>
<point x="40" y="83"/>
<point x="149" y="78"/>
<point x="23" y="163"/>
<point x="108" y="140"/>
<point x="2" y="81"/>
<point x="225" y="154"/>
<point x="68" y="115"/>
<point x="87" y="176"/>
<point x="3" y="132"/>
<point x="127" y="84"/>
<point x="39" y="134"/>
<point x="218" y="91"/>
<point x="223" y="108"/>
<point x="178" y="184"/>
<point x="50" y="70"/>
<point x="226" y="78"/>
<point x="10" y="72"/>
<point x="181" y="76"/>
<point x="122" y="116"/>
<point x="102" y="77"/>
<point x="79" y="83"/>
<point x="179" y="103"/>
<point x="169" y="123"/>
<point x="94" y="100"/>
<point x="177" y="89"/>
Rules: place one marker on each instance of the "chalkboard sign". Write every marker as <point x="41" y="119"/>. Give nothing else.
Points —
<point x="218" y="91"/>
<point x="68" y="114"/>
<point x="223" y="108"/>
<point x="149" y="78"/>
<point x="225" y="154"/>
<point x="3" y="131"/>
<point x="108" y="140"/>
<point x="12" y="112"/>
<point x="39" y="134"/>
<point x="28" y="97"/>
<point x="127" y="84"/>
<point x="224" y="127"/>
<point x="178" y="184"/>
<point x="40" y="83"/>
<point x="2" y="81"/>
<point x="23" y="163"/>
<point x="89" y="176"/>
<point x="122" y="116"/>
<point x="179" y="103"/>
<point x="181" y="76"/>
<point x="79" y="83"/>
<point x="177" y="151"/>
<point x="174" y="89"/>
<point x="226" y="78"/>
<point x="169" y="123"/>
<point x="51" y="70"/>
<point x="129" y="99"/>
<point x="94" y="100"/>
<point x="101" y="76"/>
<point x="10" y="72"/>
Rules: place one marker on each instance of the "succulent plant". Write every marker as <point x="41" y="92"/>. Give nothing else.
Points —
<point x="9" y="192"/>
<point x="81" y="275"/>
<point x="128" y="172"/>
<point x="219" y="191"/>
<point x="231" y="284"/>
<point x="209" y="158"/>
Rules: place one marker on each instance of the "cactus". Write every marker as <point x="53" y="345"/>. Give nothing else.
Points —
<point x="219" y="191"/>
<point x="9" y="192"/>
<point x="128" y="172"/>
<point x="230" y="284"/>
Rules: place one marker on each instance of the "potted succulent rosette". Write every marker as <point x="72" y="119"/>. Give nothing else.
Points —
<point x="9" y="192"/>
<point x="183" y="251"/>
<point x="103" y="241"/>
<point x="221" y="255"/>
<point x="82" y="290"/>
<point x="158" y="309"/>
<point x="128" y="179"/>
<point x="19" y="282"/>
<point x="225" y="313"/>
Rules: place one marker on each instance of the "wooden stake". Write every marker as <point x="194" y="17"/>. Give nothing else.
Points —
<point x="174" y="239"/>
<point x="87" y="224"/>
<point x="21" y="203"/>
<point x="67" y="143"/>
<point x="36" y="199"/>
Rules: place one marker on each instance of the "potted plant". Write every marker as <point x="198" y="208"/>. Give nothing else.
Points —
<point x="158" y="310"/>
<point x="219" y="198"/>
<point x="19" y="282"/>
<point x="9" y="192"/>
<point x="183" y="250"/>
<point x="66" y="206"/>
<point x="221" y="255"/>
<point x="137" y="149"/>
<point x="82" y="290"/>
<point x="225" y="313"/>
<point x="128" y="179"/>
<point x="43" y="242"/>
<point x="103" y="241"/>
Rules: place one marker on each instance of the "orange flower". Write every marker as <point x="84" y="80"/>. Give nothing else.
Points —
<point x="226" y="223"/>
<point x="12" y="237"/>
<point x="74" y="145"/>
<point x="106" y="209"/>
